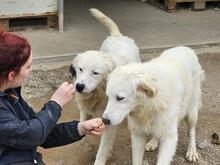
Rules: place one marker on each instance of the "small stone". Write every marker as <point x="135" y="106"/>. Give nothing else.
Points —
<point x="145" y="162"/>
<point x="203" y="145"/>
<point x="180" y="160"/>
<point x="113" y="163"/>
<point x="203" y="162"/>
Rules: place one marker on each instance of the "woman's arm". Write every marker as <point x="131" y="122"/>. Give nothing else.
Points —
<point x="26" y="134"/>
<point x="62" y="134"/>
<point x="66" y="133"/>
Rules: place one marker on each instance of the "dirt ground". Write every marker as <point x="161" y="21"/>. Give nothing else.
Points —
<point x="80" y="153"/>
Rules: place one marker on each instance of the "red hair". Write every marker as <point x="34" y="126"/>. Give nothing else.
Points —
<point x="14" y="53"/>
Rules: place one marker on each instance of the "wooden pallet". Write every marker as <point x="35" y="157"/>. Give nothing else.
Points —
<point x="16" y="22"/>
<point x="170" y="5"/>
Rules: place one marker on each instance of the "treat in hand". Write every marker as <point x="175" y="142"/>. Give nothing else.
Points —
<point x="91" y="127"/>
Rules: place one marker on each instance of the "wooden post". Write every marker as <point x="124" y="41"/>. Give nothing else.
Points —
<point x="61" y="15"/>
<point x="170" y="5"/>
<point x="4" y="24"/>
<point x="199" y="5"/>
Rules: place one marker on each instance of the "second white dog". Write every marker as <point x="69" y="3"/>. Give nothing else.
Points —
<point x="155" y="95"/>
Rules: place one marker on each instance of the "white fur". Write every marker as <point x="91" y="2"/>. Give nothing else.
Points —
<point x="92" y="69"/>
<point x="155" y="96"/>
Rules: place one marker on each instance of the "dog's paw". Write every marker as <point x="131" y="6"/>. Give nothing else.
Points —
<point x="192" y="155"/>
<point x="151" y="145"/>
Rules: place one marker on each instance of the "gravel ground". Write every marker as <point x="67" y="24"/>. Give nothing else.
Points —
<point x="81" y="153"/>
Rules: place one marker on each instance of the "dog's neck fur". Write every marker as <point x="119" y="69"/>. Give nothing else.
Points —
<point x="88" y="101"/>
<point x="141" y="113"/>
<point x="146" y="111"/>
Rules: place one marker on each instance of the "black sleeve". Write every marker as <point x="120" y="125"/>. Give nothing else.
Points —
<point x="23" y="134"/>
<point x="62" y="134"/>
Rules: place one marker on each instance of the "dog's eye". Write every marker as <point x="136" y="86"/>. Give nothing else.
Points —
<point x="96" y="73"/>
<point x="119" y="98"/>
<point x="80" y="69"/>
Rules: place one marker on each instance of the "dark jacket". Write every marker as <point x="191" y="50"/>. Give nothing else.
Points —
<point x="22" y="130"/>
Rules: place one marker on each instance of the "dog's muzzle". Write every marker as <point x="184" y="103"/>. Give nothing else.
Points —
<point x="80" y="87"/>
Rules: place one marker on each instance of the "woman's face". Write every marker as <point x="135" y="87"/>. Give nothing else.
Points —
<point x="24" y="73"/>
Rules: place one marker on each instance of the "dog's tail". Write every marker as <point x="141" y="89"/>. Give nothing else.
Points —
<point x="106" y="21"/>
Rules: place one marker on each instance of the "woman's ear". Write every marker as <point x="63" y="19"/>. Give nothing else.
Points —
<point x="11" y="76"/>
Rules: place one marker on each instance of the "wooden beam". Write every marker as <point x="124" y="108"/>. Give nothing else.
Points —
<point x="61" y="15"/>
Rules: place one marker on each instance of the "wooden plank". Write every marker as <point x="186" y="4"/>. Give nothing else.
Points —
<point x="4" y="24"/>
<point x="170" y="5"/>
<point x="30" y="15"/>
<point x="179" y="1"/>
<point x="199" y="5"/>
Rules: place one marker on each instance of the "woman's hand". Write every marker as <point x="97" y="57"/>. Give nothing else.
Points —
<point x="91" y="127"/>
<point x="63" y="94"/>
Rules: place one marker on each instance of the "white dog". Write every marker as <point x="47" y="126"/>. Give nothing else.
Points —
<point x="154" y="96"/>
<point x="92" y="68"/>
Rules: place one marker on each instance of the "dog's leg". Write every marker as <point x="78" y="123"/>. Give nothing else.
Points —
<point x="191" y="120"/>
<point x="84" y="116"/>
<point x="151" y="145"/>
<point x="167" y="147"/>
<point x="88" y="142"/>
<point x="137" y="143"/>
<point x="105" y="146"/>
<point x="192" y="154"/>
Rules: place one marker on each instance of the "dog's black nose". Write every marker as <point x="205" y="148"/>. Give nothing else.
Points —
<point x="80" y="87"/>
<point x="106" y="121"/>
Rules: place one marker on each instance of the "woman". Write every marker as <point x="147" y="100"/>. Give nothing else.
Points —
<point x="21" y="129"/>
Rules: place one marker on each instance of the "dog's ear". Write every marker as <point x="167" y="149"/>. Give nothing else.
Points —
<point x="72" y="71"/>
<point x="148" y="87"/>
